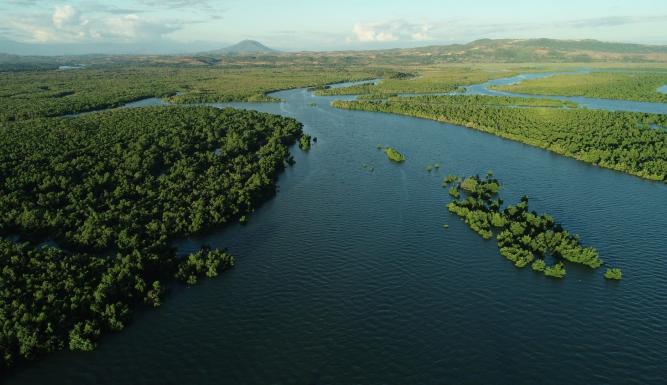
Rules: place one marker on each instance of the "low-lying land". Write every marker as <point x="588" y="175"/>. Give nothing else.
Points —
<point x="394" y="155"/>
<point x="426" y="80"/>
<point x="90" y="207"/>
<point x="33" y="94"/>
<point x="621" y="141"/>
<point x="639" y="86"/>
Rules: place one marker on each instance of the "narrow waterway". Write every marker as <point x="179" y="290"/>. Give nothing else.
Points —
<point x="591" y="103"/>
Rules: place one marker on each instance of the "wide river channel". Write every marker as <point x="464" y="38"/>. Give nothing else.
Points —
<point x="347" y="276"/>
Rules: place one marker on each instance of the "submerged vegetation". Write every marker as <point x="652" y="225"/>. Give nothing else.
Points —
<point x="204" y="262"/>
<point x="539" y="265"/>
<point x="613" y="274"/>
<point x="394" y="155"/>
<point x="521" y="234"/>
<point x="368" y="167"/>
<point x="110" y="192"/>
<point x="304" y="142"/>
<point x="621" y="141"/>
<point x="449" y="179"/>
<point x="431" y="167"/>
<point x="555" y="271"/>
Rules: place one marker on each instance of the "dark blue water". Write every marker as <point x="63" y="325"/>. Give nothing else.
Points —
<point x="348" y="277"/>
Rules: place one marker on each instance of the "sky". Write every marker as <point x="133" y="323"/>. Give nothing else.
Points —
<point x="166" y="26"/>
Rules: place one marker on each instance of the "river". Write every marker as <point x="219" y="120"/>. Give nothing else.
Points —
<point x="348" y="277"/>
<point x="590" y="103"/>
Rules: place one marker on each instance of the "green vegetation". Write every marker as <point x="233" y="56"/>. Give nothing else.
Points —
<point x="110" y="192"/>
<point x="521" y="235"/>
<point x="394" y="155"/>
<point x="641" y="86"/>
<point x="449" y="179"/>
<point x="621" y="141"/>
<point x="469" y="184"/>
<point x="539" y="265"/>
<point x="555" y="271"/>
<point x="304" y="142"/>
<point x="204" y="262"/>
<point x="27" y="95"/>
<point x="374" y="96"/>
<point x="614" y="274"/>
<point x="431" y="167"/>
<point x="430" y="80"/>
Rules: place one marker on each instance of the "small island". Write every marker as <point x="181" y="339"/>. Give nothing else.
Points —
<point x="523" y="236"/>
<point x="394" y="155"/>
<point x="613" y="274"/>
<point x="304" y="142"/>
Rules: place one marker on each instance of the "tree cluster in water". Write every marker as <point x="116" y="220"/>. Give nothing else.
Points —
<point x="523" y="236"/>
<point x="621" y="141"/>
<point x="90" y="206"/>
<point x="304" y="142"/>
<point x="394" y="155"/>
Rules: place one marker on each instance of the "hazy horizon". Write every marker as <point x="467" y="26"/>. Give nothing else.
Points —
<point x="46" y="27"/>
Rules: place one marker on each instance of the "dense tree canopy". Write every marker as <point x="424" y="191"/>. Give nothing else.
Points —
<point x="428" y="80"/>
<point x="89" y="207"/>
<point x="27" y="95"/>
<point x="622" y="141"/>
<point x="641" y="86"/>
<point x="521" y="234"/>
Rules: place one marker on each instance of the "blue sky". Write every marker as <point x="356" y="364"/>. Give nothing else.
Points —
<point x="322" y="25"/>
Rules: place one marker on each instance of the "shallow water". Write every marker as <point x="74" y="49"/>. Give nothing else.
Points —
<point x="591" y="103"/>
<point x="348" y="277"/>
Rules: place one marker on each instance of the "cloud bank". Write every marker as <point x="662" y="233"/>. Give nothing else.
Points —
<point x="68" y="24"/>
<point x="395" y="30"/>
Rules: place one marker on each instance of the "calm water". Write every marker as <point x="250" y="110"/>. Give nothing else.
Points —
<point x="347" y="276"/>
<point x="591" y="103"/>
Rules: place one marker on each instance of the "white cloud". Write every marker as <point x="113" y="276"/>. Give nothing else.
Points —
<point x="364" y="32"/>
<point x="69" y="24"/>
<point x="422" y="34"/>
<point x="395" y="30"/>
<point x="65" y="15"/>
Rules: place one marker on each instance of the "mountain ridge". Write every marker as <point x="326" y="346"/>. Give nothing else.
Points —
<point x="244" y="47"/>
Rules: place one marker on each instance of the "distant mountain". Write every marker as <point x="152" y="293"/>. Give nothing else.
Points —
<point x="244" y="47"/>
<point x="249" y="51"/>
<point x="539" y="50"/>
